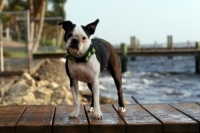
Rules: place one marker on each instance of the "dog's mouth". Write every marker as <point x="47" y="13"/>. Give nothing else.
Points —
<point x="74" y="51"/>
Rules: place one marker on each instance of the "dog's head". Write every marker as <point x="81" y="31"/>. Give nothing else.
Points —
<point x="77" y="38"/>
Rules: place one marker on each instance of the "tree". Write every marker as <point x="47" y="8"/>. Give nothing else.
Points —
<point x="42" y="15"/>
<point x="38" y="9"/>
<point x="58" y="10"/>
<point x="34" y="7"/>
<point x="10" y="20"/>
<point x="2" y="3"/>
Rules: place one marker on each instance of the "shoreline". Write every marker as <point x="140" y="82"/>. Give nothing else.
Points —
<point x="48" y="86"/>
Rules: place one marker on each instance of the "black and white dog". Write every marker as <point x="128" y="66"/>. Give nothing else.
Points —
<point x="86" y="59"/>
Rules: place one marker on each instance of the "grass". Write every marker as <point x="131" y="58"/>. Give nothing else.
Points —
<point x="13" y="54"/>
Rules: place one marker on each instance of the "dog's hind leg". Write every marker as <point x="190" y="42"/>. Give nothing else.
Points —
<point x="114" y="68"/>
<point x="91" y="109"/>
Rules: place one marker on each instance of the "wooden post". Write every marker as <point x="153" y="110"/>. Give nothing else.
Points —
<point x="7" y="33"/>
<point x="124" y="58"/>
<point x="1" y="47"/>
<point x="197" y="64"/>
<point x="170" y="44"/>
<point x="155" y="44"/>
<point x="133" y="43"/>
<point x="188" y="44"/>
<point x="28" y="40"/>
<point x="198" y="45"/>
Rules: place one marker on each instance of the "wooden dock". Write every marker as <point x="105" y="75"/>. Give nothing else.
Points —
<point x="149" y="52"/>
<point x="133" y="53"/>
<point x="139" y="118"/>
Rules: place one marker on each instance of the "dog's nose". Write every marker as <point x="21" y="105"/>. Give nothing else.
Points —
<point x="74" y="43"/>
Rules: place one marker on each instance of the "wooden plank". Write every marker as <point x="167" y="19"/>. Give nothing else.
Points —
<point x="173" y="120"/>
<point x="36" y="119"/>
<point x="140" y="121"/>
<point x="110" y="122"/>
<point x="190" y="109"/>
<point x="64" y="124"/>
<point x="9" y="115"/>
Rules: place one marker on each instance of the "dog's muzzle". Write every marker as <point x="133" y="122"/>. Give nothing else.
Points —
<point x="74" y="44"/>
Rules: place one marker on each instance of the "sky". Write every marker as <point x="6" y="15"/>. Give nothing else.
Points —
<point x="148" y="20"/>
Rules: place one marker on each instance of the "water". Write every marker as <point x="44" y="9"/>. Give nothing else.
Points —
<point x="157" y="80"/>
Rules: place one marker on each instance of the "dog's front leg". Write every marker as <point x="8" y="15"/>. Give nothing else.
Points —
<point x="95" y="89"/>
<point x="75" y="93"/>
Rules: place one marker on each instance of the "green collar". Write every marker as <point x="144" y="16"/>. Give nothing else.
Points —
<point x="84" y="58"/>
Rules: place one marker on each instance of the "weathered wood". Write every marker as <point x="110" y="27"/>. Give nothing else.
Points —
<point x="173" y="120"/>
<point x="179" y="118"/>
<point x="197" y="45"/>
<point x="170" y="43"/>
<point x="36" y="119"/>
<point x="110" y="123"/>
<point x="192" y="110"/>
<point x="1" y="47"/>
<point x="140" y="121"/>
<point x="64" y="124"/>
<point x="9" y="115"/>
<point x="124" y="58"/>
<point x="197" y="64"/>
<point x="132" y="53"/>
<point x="134" y="43"/>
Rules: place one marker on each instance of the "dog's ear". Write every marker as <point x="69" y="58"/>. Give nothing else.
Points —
<point x="65" y="24"/>
<point x="92" y="26"/>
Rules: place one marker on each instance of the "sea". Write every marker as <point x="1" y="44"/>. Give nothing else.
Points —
<point x="156" y="80"/>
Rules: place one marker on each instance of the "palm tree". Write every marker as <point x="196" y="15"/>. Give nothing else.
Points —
<point x="58" y="10"/>
<point x="42" y="15"/>
<point x="2" y="3"/>
<point x="10" y="20"/>
<point x="37" y="9"/>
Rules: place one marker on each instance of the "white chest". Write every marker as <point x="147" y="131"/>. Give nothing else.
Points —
<point x="85" y="72"/>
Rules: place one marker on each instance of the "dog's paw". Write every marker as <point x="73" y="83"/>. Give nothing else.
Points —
<point x="121" y="109"/>
<point x="91" y="109"/>
<point x="97" y="114"/>
<point x="74" y="114"/>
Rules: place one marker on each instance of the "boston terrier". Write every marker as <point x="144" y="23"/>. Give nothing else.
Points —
<point x="86" y="59"/>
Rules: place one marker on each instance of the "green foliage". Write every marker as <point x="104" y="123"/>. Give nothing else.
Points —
<point x="47" y="42"/>
<point x="58" y="1"/>
<point x="63" y="46"/>
<point x="57" y="9"/>
<point x="13" y="54"/>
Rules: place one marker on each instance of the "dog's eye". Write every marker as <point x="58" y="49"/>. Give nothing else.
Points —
<point x="69" y="35"/>
<point x="83" y="38"/>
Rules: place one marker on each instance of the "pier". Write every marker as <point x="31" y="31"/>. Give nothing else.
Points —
<point x="138" y="118"/>
<point x="148" y="52"/>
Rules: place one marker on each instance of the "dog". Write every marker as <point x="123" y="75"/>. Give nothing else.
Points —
<point x="86" y="59"/>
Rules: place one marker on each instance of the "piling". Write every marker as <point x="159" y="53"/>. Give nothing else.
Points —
<point x="198" y="45"/>
<point x="133" y="43"/>
<point x="170" y="44"/>
<point x="124" y="58"/>
<point x="197" y="64"/>
<point x="1" y="47"/>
